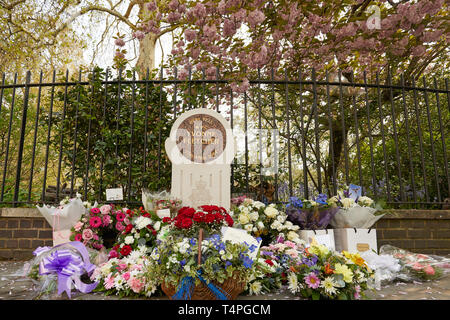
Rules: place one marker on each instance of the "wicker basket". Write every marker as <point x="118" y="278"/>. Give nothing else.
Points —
<point x="232" y="285"/>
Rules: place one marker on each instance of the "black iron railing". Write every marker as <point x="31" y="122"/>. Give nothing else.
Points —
<point x="296" y="137"/>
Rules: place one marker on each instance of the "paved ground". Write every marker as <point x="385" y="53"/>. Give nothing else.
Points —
<point x="13" y="286"/>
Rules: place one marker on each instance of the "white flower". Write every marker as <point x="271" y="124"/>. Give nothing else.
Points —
<point x="275" y="225"/>
<point x="157" y="226"/>
<point x="347" y="202"/>
<point x="271" y="212"/>
<point x="243" y="218"/>
<point x="292" y="236"/>
<point x="260" y="225"/>
<point x="254" y="216"/>
<point x="329" y="285"/>
<point x="187" y="268"/>
<point x="365" y="201"/>
<point x="255" y="229"/>
<point x="142" y="222"/>
<point x="282" y="218"/>
<point x="333" y="200"/>
<point x="255" y="288"/>
<point x="259" y="204"/>
<point x="129" y="239"/>
<point x="293" y="282"/>
<point x="137" y="235"/>
<point x="248" y="227"/>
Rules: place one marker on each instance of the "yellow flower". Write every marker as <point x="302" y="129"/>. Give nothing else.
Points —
<point x="319" y="250"/>
<point x="345" y="271"/>
<point x="355" y="258"/>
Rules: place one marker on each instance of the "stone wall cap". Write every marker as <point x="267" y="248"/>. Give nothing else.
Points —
<point x="20" y="213"/>
<point x="416" y="214"/>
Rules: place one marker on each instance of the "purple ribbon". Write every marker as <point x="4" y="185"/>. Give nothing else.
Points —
<point x="68" y="266"/>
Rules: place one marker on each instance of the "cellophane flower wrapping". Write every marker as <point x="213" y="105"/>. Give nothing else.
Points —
<point x="154" y="201"/>
<point x="310" y="214"/>
<point x="386" y="267"/>
<point x="355" y="210"/>
<point x="65" y="216"/>
<point x="46" y="285"/>
<point x="417" y="266"/>
<point x="265" y="221"/>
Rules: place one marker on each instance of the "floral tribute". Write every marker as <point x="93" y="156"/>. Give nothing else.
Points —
<point x="176" y="258"/>
<point x="99" y="224"/>
<point x="209" y="218"/>
<point x="310" y="214"/>
<point x="126" y="276"/>
<point x="323" y="274"/>
<point x="264" y="221"/>
<point x="142" y="230"/>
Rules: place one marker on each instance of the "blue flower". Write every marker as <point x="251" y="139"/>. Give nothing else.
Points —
<point x="193" y="241"/>
<point x="247" y="262"/>
<point x="183" y="262"/>
<point x="295" y="202"/>
<point x="227" y="264"/>
<point x="321" y="198"/>
<point x="259" y="239"/>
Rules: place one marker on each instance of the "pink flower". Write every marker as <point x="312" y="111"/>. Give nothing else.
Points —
<point x="190" y="34"/>
<point x="78" y="226"/>
<point x="126" y="276"/>
<point x="312" y="281"/>
<point x="120" y="226"/>
<point x="120" y="216"/>
<point x="137" y="267"/>
<point x="95" y="222"/>
<point x="290" y="244"/>
<point x="113" y="254"/>
<point x="106" y="220"/>
<point x="95" y="210"/>
<point x="109" y="281"/>
<point x="121" y="266"/>
<point x="429" y="270"/>
<point x="78" y="237"/>
<point x="357" y="294"/>
<point x="136" y="284"/>
<point x="87" y="234"/>
<point x="417" y="266"/>
<point x="120" y="43"/>
<point x="126" y="221"/>
<point x="105" y="209"/>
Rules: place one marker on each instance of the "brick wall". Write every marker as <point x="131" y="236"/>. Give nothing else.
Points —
<point x="21" y="231"/>
<point x="421" y="231"/>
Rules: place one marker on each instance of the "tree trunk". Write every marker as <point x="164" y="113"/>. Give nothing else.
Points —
<point x="146" y="58"/>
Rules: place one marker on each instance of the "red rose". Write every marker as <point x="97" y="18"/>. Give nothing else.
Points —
<point x="147" y="215"/>
<point x="186" y="211"/>
<point x="128" y="212"/>
<point x="218" y="217"/>
<point x="209" y="218"/>
<point x="198" y="217"/>
<point x="269" y="262"/>
<point x="166" y="220"/>
<point x="186" y="223"/>
<point x="229" y="220"/>
<point x="178" y="223"/>
<point x="126" y="249"/>
<point x="128" y="228"/>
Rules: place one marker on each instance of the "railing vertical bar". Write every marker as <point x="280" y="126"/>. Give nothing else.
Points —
<point x="305" y="167"/>
<point x="217" y="88"/>
<point x="102" y="161"/>
<point x="288" y="128"/>
<point x="119" y="87"/>
<point x="358" y="146"/>
<point x="275" y="130"/>
<point x="261" y="187"/>
<point x="316" y="132"/>
<point x="430" y="127"/>
<point x="203" y="87"/>
<point x="232" y="128"/>
<point x="36" y="128"/>
<point x="344" y="134"/>
<point x="88" y="147"/>
<point x="74" y="151"/>
<point x="22" y="137"/>
<point x="419" y="132"/>
<point x="133" y="100"/>
<point x="146" y="125"/>
<point x="246" y="142"/>
<point x="5" y="165"/>
<point x="444" y="148"/>
<point x="394" y="127"/>
<point x="411" y="166"/>
<point x="50" y="118"/>
<point x="386" y="171"/>
<point x="190" y="89"/>
<point x="330" y="125"/>
<point x="175" y="72"/>
<point x="369" y="129"/>
<point x="61" y="138"/>
<point x="160" y="120"/>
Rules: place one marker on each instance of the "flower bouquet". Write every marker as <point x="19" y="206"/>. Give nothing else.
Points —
<point x="209" y="218"/>
<point x="142" y="230"/>
<point x="197" y="269"/>
<point x="415" y="266"/>
<point x="310" y="214"/>
<point x="99" y="227"/>
<point x="162" y="203"/>
<point x="264" y="221"/>
<point x="324" y="274"/>
<point x="355" y="210"/>
<point x="127" y="276"/>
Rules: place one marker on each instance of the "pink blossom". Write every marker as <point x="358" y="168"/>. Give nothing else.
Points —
<point x="229" y="28"/>
<point x="190" y="34"/>
<point x="126" y="221"/>
<point x="290" y="244"/>
<point x="126" y="276"/>
<point x="109" y="281"/>
<point x="199" y="10"/>
<point x="105" y="209"/>
<point x="95" y="237"/>
<point x="139" y="35"/>
<point x="113" y="254"/>
<point x="120" y="226"/>
<point x="119" y="42"/>
<point x="255" y="18"/>
<point x="151" y="6"/>
<point x="136" y="284"/>
<point x="87" y="234"/>
<point x="418" y="51"/>
<point x="106" y="220"/>
<point x="429" y="270"/>
<point x="78" y="237"/>
<point x="417" y="266"/>
<point x="312" y="280"/>
<point x="78" y="226"/>
<point x="357" y="294"/>
<point x="95" y="222"/>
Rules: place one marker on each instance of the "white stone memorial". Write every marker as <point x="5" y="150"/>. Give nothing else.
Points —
<point x="201" y="148"/>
